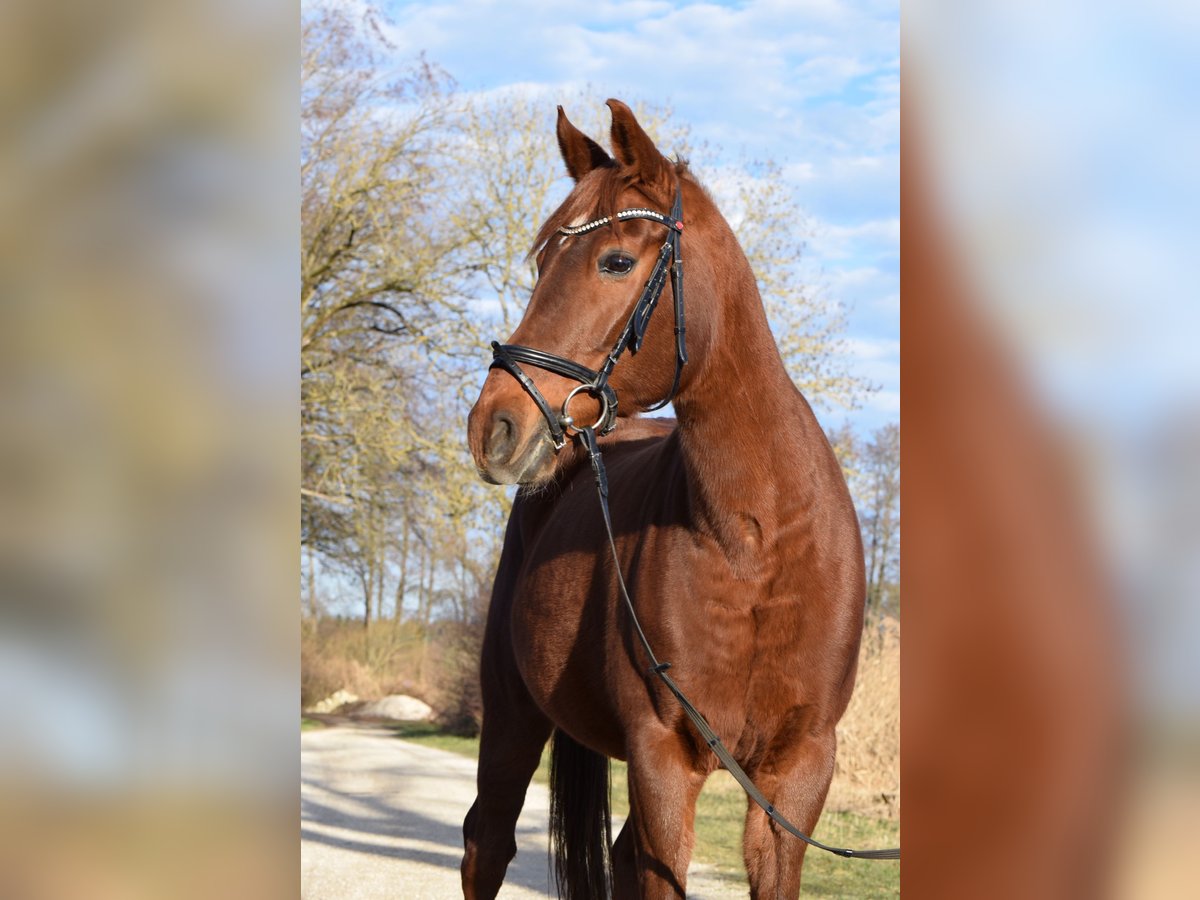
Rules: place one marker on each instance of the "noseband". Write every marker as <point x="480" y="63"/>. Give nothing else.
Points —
<point x="595" y="382"/>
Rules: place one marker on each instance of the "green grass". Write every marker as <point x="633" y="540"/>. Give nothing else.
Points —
<point x="826" y="875"/>
<point x="720" y="812"/>
<point x="307" y="724"/>
<point x="432" y="736"/>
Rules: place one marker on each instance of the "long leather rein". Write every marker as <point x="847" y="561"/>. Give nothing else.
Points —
<point x="595" y="383"/>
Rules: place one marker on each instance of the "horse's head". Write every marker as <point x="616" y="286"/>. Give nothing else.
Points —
<point x="589" y="282"/>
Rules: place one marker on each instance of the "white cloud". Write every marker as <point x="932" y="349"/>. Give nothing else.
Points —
<point x="873" y="349"/>
<point x="887" y="402"/>
<point x="878" y="361"/>
<point x="877" y="237"/>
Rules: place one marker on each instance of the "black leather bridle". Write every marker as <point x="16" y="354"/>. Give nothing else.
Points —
<point x="595" y="382"/>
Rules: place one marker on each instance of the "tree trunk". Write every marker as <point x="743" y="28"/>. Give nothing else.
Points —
<point x="312" y="584"/>
<point x="364" y="580"/>
<point x="402" y="584"/>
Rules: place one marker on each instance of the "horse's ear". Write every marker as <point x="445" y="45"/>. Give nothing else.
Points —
<point x="633" y="147"/>
<point x="579" y="152"/>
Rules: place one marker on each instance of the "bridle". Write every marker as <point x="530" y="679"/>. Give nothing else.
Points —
<point x="595" y="382"/>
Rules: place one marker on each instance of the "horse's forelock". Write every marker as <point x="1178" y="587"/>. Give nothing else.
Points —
<point x="595" y="195"/>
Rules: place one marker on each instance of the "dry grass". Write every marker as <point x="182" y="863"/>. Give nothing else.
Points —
<point x="867" y="777"/>
<point x="340" y="655"/>
<point x="438" y="665"/>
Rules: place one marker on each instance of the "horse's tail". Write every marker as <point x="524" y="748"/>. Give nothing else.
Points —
<point x="580" y="821"/>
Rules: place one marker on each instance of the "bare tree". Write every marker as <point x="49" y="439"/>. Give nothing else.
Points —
<point x="872" y="471"/>
<point x="772" y="228"/>
<point x="879" y="481"/>
<point x="377" y="275"/>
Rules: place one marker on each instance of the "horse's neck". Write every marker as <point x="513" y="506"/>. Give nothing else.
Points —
<point x="749" y="439"/>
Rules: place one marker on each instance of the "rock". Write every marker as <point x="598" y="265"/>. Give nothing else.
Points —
<point x="397" y="706"/>
<point x="333" y="702"/>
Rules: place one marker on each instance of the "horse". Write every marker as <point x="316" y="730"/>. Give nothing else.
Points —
<point x="732" y="525"/>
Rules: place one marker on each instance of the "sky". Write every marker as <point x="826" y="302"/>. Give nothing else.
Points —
<point x="814" y="86"/>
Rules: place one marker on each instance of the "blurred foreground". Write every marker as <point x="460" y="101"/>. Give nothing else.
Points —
<point x="147" y="450"/>
<point x="1052" y="487"/>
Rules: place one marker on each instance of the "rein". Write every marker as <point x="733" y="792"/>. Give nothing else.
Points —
<point x="595" y="383"/>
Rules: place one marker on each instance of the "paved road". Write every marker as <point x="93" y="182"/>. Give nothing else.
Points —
<point x="381" y="819"/>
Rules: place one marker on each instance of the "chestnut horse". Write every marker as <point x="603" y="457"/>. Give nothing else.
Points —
<point x="734" y="530"/>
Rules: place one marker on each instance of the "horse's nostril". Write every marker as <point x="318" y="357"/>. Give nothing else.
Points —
<point x="503" y="439"/>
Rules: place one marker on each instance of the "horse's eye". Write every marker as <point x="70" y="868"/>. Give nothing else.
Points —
<point x="617" y="263"/>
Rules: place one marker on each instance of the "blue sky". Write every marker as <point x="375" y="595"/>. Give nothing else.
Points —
<point x="812" y="85"/>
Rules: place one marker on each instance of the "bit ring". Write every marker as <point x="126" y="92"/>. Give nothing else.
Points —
<point x="567" y="421"/>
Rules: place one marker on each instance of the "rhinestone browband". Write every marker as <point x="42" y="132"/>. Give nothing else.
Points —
<point x="623" y="214"/>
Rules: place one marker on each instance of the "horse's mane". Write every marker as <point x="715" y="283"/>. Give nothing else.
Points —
<point x="596" y="196"/>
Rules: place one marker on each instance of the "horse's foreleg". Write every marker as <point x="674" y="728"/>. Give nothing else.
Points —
<point x="624" y="863"/>
<point x="795" y="780"/>
<point x="509" y="751"/>
<point x="651" y="855"/>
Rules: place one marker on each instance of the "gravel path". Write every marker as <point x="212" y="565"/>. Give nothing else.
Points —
<point x="381" y="819"/>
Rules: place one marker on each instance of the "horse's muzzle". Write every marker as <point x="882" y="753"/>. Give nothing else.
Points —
<point x="509" y="443"/>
